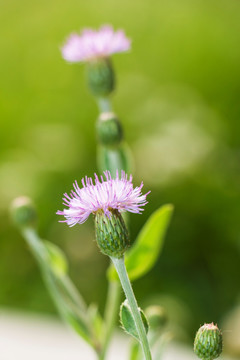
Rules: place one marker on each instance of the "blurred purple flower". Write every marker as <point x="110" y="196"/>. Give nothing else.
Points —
<point x="104" y="195"/>
<point x="91" y="44"/>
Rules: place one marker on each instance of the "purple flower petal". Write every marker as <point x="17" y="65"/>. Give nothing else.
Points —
<point x="91" y="44"/>
<point x="102" y="195"/>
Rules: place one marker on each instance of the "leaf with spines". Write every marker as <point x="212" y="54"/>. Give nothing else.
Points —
<point x="128" y="322"/>
<point x="143" y="255"/>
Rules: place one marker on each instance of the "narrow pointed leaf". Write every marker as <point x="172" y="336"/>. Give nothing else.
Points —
<point x="66" y="297"/>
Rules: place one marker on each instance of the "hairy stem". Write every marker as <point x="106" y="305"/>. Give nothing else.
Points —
<point x="126" y="285"/>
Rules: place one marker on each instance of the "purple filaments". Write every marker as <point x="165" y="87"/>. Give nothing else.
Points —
<point x="105" y="194"/>
<point x="92" y="44"/>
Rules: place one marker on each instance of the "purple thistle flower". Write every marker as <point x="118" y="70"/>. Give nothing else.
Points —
<point x="92" y="44"/>
<point x="104" y="195"/>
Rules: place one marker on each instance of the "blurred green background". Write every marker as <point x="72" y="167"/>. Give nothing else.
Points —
<point x="178" y="99"/>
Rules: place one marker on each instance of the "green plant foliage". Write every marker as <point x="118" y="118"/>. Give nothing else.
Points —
<point x="114" y="158"/>
<point x="66" y="297"/>
<point x="144" y="253"/>
<point x="134" y="351"/>
<point x="128" y="322"/>
<point x="177" y="96"/>
<point x="57" y="259"/>
<point x="96" y="319"/>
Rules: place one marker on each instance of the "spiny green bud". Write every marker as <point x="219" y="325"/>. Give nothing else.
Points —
<point x="109" y="130"/>
<point x="23" y="212"/>
<point x="157" y="316"/>
<point x="100" y="76"/>
<point x="111" y="233"/>
<point x="208" y="342"/>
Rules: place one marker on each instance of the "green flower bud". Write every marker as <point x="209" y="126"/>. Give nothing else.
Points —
<point x="157" y="316"/>
<point x="109" y="130"/>
<point x="23" y="212"/>
<point x="111" y="233"/>
<point x="208" y="342"/>
<point x="100" y="76"/>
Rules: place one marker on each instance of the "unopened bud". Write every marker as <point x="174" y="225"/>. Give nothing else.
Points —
<point x="109" y="130"/>
<point x="208" y="342"/>
<point x="23" y="212"/>
<point x="157" y="316"/>
<point x="111" y="233"/>
<point x="100" y="74"/>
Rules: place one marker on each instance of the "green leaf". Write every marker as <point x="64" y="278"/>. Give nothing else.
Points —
<point x="56" y="258"/>
<point x="144" y="253"/>
<point x="96" y="319"/>
<point x="128" y="322"/>
<point x="66" y="297"/>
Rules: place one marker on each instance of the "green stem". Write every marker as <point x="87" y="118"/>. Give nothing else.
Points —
<point x="38" y="250"/>
<point x="104" y="104"/>
<point x="126" y="285"/>
<point x="61" y="289"/>
<point x="110" y="315"/>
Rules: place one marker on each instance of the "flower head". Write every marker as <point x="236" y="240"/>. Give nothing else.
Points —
<point x="208" y="342"/>
<point x="92" y="44"/>
<point x="105" y="195"/>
